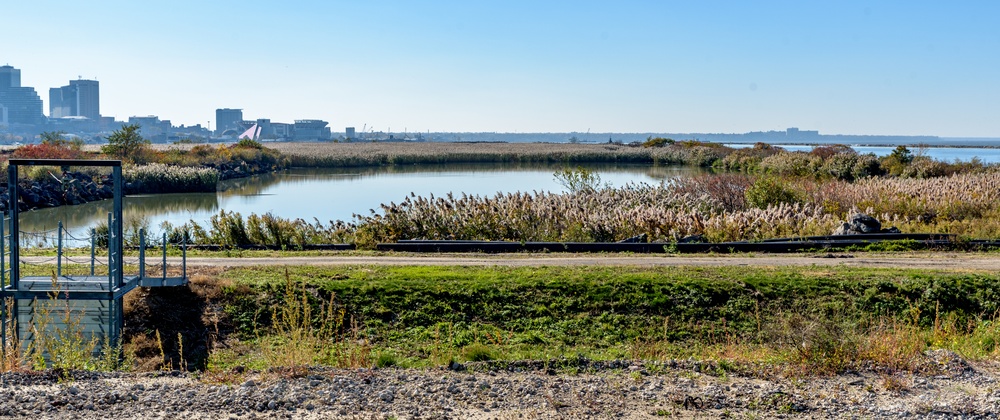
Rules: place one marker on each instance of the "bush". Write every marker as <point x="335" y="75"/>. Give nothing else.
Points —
<point x="749" y="159"/>
<point x="791" y="164"/>
<point x="657" y="142"/>
<point x="126" y="143"/>
<point x="48" y="151"/>
<point x="825" y="152"/>
<point x="850" y="166"/>
<point x="768" y="191"/>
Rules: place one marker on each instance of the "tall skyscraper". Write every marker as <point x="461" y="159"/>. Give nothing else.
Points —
<point x="228" y="119"/>
<point x="9" y="77"/>
<point x="22" y="104"/>
<point x="81" y="98"/>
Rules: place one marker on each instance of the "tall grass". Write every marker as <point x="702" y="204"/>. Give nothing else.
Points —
<point x="804" y="321"/>
<point x="380" y="154"/>
<point x="158" y="178"/>
<point x="728" y="207"/>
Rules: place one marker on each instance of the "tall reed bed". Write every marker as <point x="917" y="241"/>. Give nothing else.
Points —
<point x="378" y="154"/>
<point x="156" y="178"/>
<point x="718" y="207"/>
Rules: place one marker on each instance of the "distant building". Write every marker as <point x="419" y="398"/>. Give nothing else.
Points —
<point x="311" y="130"/>
<point x="9" y="77"/>
<point x="22" y="104"/>
<point x="81" y="98"/>
<point x="228" y="119"/>
<point x="350" y="133"/>
<point x="150" y="126"/>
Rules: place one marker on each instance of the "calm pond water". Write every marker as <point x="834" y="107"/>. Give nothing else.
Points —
<point x="331" y="194"/>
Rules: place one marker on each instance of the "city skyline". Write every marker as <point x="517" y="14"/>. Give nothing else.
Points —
<point x="854" y="67"/>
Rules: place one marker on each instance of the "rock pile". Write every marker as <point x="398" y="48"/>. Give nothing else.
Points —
<point x="860" y="223"/>
<point x="65" y="189"/>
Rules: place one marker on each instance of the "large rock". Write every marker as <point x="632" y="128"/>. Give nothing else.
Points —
<point x="859" y="223"/>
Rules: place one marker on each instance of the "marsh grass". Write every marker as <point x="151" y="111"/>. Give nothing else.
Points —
<point x="777" y="320"/>
<point x="304" y="331"/>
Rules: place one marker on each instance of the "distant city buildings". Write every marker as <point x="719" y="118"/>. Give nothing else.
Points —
<point x="76" y="109"/>
<point x="227" y="119"/>
<point x="81" y="98"/>
<point x="20" y="105"/>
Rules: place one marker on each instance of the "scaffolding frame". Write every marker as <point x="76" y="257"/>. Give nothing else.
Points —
<point x="16" y="288"/>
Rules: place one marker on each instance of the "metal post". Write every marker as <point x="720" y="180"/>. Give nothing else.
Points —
<point x="3" y="254"/>
<point x="15" y="272"/>
<point x="111" y="265"/>
<point x="164" y="259"/>
<point x="184" y="257"/>
<point x="3" y="285"/>
<point x="142" y="254"/>
<point x="93" y="241"/>
<point x="12" y="207"/>
<point x="119" y="264"/>
<point x="59" y="252"/>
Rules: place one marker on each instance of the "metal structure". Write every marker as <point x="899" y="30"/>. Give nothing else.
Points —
<point x="95" y="301"/>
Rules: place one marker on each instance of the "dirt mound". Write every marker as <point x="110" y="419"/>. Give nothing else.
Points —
<point x="174" y="327"/>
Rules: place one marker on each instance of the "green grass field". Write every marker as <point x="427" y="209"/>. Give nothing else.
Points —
<point x="818" y="319"/>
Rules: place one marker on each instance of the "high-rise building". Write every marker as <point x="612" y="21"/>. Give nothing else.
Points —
<point x="81" y="98"/>
<point x="22" y="104"/>
<point x="227" y="119"/>
<point x="9" y="77"/>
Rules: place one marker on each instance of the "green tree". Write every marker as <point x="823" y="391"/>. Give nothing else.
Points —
<point x="54" y="137"/>
<point x="126" y="143"/>
<point x="896" y="162"/>
<point x="578" y="180"/>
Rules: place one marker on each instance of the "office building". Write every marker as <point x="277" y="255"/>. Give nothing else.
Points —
<point x="311" y="130"/>
<point x="228" y="119"/>
<point x="22" y="104"/>
<point x="9" y="77"/>
<point x="81" y="98"/>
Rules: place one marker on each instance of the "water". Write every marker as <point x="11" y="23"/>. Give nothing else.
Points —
<point x="329" y="194"/>
<point x="947" y="154"/>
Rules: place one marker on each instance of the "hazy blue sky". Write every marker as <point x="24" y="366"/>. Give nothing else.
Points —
<point x="851" y="67"/>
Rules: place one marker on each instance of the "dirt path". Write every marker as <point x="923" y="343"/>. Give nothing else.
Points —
<point x="918" y="260"/>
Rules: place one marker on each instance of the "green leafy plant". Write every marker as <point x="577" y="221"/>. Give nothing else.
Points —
<point x="126" y="143"/>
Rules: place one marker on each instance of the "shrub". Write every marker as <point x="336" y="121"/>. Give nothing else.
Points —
<point x="126" y="143"/>
<point x="791" y="164"/>
<point x="579" y="179"/>
<point x="768" y="191"/>
<point x="657" y="142"/>
<point x="48" y="151"/>
<point x="825" y="152"/>
<point x="749" y="159"/>
<point x="850" y="166"/>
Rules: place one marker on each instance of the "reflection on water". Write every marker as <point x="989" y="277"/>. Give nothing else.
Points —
<point x="147" y="207"/>
<point x="336" y="193"/>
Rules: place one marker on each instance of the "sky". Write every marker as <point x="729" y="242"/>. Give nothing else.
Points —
<point x="841" y="67"/>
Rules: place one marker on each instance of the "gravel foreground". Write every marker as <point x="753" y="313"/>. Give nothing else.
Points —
<point x="507" y="390"/>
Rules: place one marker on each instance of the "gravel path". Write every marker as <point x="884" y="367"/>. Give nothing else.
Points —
<point x="516" y="390"/>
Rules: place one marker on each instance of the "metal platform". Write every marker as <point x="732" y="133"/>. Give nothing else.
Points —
<point x="92" y="302"/>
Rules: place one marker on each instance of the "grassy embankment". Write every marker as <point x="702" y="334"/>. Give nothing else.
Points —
<point x="804" y="321"/>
